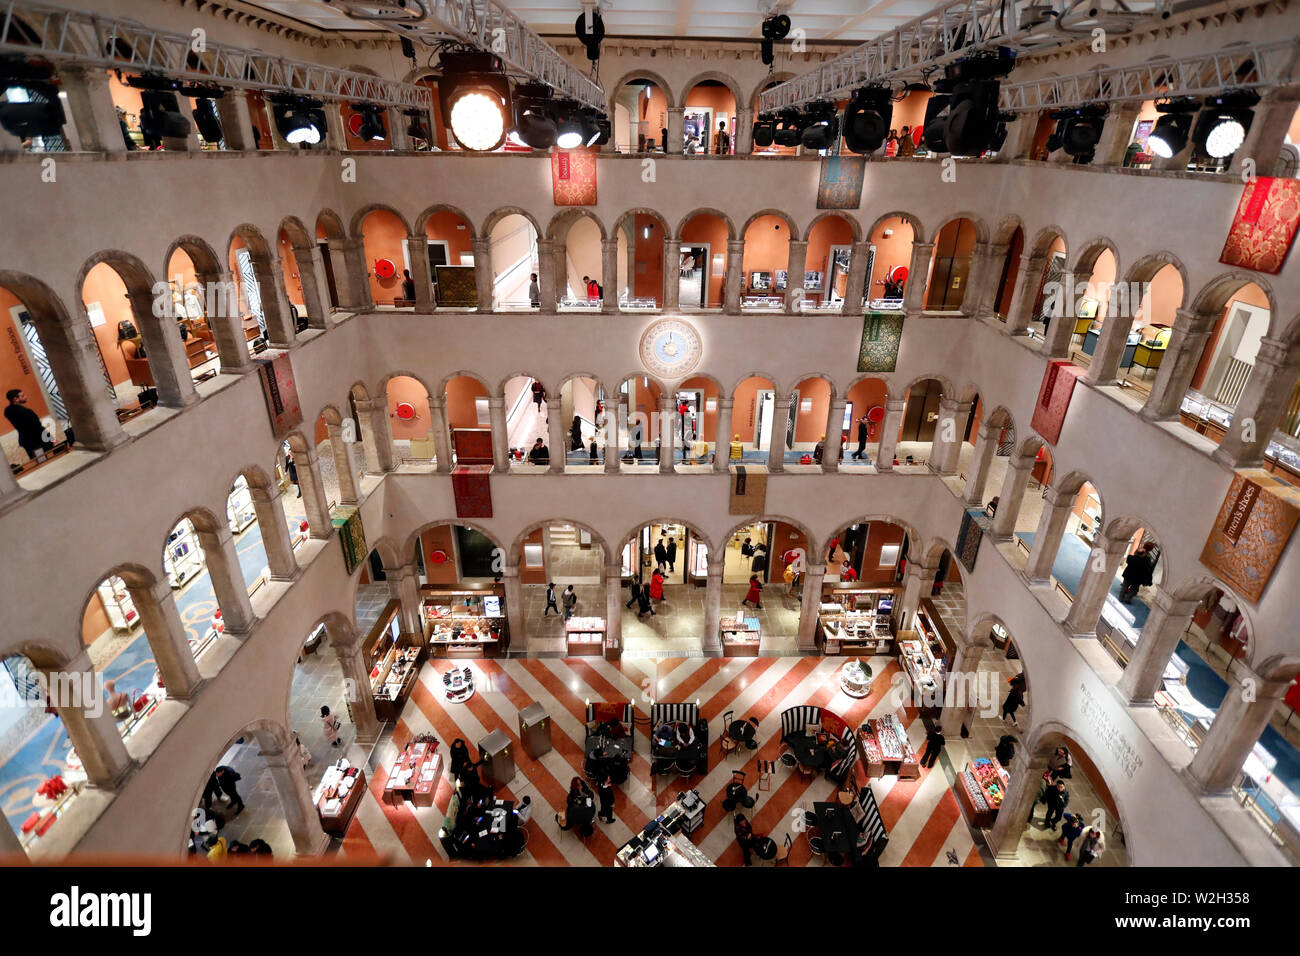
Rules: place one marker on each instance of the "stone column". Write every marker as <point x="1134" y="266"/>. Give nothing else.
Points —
<point x="559" y="266"/>
<point x="743" y="135"/>
<point x="667" y="433"/>
<point x="417" y="251"/>
<point x="441" y="434"/>
<point x="672" y="275"/>
<point x="351" y="277"/>
<point x="167" y="361"/>
<point x="961" y="687"/>
<point x="1268" y="132"/>
<point x="346" y="477"/>
<point x="1115" y="135"/>
<point x="295" y="799"/>
<point x="734" y="276"/>
<point x="722" y="444"/>
<point x="167" y="640"/>
<point x="610" y="439"/>
<point x="675" y="130"/>
<point x="313" y="494"/>
<point x="1026" y="773"/>
<point x="546" y="275"/>
<point x="609" y="275"/>
<point x="1085" y="610"/>
<point x="1262" y="404"/>
<point x="917" y="275"/>
<point x="280" y="331"/>
<point x="1021" y="310"/>
<point x="857" y="278"/>
<point x="227" y="579"/>
<point x="91" y="107"/>
<point x="514" y="594"/>
<point x="834" y="431"/>
<point x="1167" y="622"/>
<point x="795" y="266"/>
<point x="1190" y="332"/>
<point x="9" y="488"/>
<point x="500" y="434"/>
<point x="918" y="584"/>
<point x="236" y="122"/>
<point x="810" y="607"/>
<point x="356" y="691"/>
<point x="889" y="429"/>
<point x="90" y="726"/>
<point x="979" y="472"/>
<point x="1106" y="358"/>
<point x="1047" y="538"/>
<point x="613" y="582"/>
<point x="365" y="409"/>
<point x="315" y="293"/>
<point x="977" y="278"/>
<point x="484" y="280"/>
<point x="274" y="528"/>
<point x="335" y="138"/>
<point x="74" y="357"/>
<point x="1060" y="321"/>
<point x="404" y="587"/>
<point x="712" y="640"/>
<point x="1012" y="495"/>
<point x="1241" y="718"/>
<point x="780" y="420"/>
<point x="945" y="452"/>
<point x="557" y="435"/>
<point x="397" y="135"/>
<point x="382" y="428"/>
<point x="990" y="275"/>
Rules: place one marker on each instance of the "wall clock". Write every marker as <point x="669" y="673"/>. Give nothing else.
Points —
<point x="670" y="348"/>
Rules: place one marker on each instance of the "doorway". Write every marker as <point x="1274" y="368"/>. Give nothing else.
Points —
<point x="693" y="288"/>
<point x="690" y="403"/>
<point x="765" y="407"/>
<point x="837" y="282"/>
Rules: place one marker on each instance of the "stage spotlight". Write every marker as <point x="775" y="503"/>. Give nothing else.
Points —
<point x="32" y="106"/>
<point x="1079" y="130"/>
<point x="591" y="38"/>
<point x="1169" y="136"/>
<point x="867" y="118"/>
<point x="371" y="128"/>
<point x="1221" y="127"/>
<point x="299" y="120"/>
<point x="590" y="121"/>
<point x="789" y="128"/>
<point x="764" y="129"/>
<point x="534" y="115"/>
<point x="475" y="97"/>
<point x="933" y="131"/>
<point x="821" y="126"/>
<point x="417" y="128"/>
<point x="207" y="121"/>
<point x="161" y="117"/>
<point x="569" y="129"/>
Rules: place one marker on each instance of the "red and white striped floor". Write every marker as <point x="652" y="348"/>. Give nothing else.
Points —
<point x="924" y="822"/>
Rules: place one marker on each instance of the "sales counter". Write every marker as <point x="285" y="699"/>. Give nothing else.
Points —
<point x="857" y="620"/>
<point x="338" y="795"/>
<point x="663" y="841"/>
<point x="414" y="774"/>
<point x="393" y="662"/>
<point x="980" y="788"/>
<point x="464" y="622"/>
<point x="886" y="748"/>
<point x="740" y="636"/>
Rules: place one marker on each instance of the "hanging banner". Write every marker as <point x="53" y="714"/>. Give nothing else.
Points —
<point x="473" y="491"/>
<point x="1265" y="225"/>
<point x="840" y="186"/>
<point x="973" y="525"/>
<point x="281" y="393"/>
<point x="352" y="536"/>
<point x="748" y="490"/>
<point x="1251" y="530"/>
<point x="1054" y="399"/>
<point x="882" y="332"/>
<point x="573" y="177"/>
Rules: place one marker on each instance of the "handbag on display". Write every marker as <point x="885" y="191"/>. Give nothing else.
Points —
<point x="805" y="460"/>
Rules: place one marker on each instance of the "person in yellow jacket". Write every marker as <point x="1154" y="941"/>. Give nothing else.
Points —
<point x="737" y="449"/>
<point x="217" y="850"/>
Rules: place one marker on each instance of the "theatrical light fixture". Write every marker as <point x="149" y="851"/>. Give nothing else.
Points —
<point x="206" y="120"/>
<point x="936" y="120"/>
<point x="788" y="129"/>
<point x="592" y="36"/>
<point x="867" y="118"/>
<point x="299" y="120"/>
<point x="1079" y="130"/>
<point x="535" y="125"/>
<point x="372" y="126"/>
<point x="970" y="121"/>
<point x="32" y="106"/>
<point x="1169" y="136"/>
<point x="161" y="117"/>
<point x="763" y="131"/>
<point x="1221" y="127"/>
<point x="768" y="51"/>
<point x="417" y="128"/>
<point x="569" y="130"/>
<point x="822" y="126"/>
<point x="776" y="27"/>
<point x="475" y="98"/>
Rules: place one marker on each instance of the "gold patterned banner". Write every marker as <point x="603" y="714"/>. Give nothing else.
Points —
<point x="1265" y="225"/>
<point x="1252" y="529"/>
<point x="573" y="177"/>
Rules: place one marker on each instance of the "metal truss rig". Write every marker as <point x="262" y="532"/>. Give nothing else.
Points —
<point x="79" y="38"/>
<point x="1200" y="74"/>
<point x="949" y="32"/>
<point x="487" y="25"/>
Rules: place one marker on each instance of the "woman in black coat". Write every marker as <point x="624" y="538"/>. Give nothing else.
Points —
<point x="575" y="435"/>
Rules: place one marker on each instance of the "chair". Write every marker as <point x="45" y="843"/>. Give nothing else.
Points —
<point x="787" y="757"/>
<point x="809" y="772"/>
<point x="765" y="770"/>
<point x="728" y="744"/>
<point x="810" y="819"/>
<point x="753" y="744"/>
<point x="815" y="844"/>
<point x="835" y="859"/>
<point x="782" y="857"/>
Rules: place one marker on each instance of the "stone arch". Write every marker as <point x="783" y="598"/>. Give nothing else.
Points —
<point x="706" y="211"/>
<point x="43" y="655"/>
<point x="358" y="390"/>
<point x="258" y="248"/>
<point x="634" y="75"/>
<point x="803" y="529"/>
<point x="562" y="221"/>
<point x="795" y="381"/>
<point x="982" y="626"/>
<point x="969" y="392"/>
<point x="135" y="275"/>
<point x="1001" y="417"/>
<point x="1006" y="229"/>
<point x="299" y="237"/>
<point x="442" y="386"/>
<point x="389" y="556"/>
<point x="1147" y="267"/>
<point x="981" y="228"/>
<point x="1214" y="295"/>
<point x="359" y="218"/>
<point x="1092" y="249"/>
<point x="914" y="537"/>
<point x="1030" y="445"/>
<point x="202" y="518"/>
<point x="422" y="220"/>
<point x="855" y="227"/>
<point x="271" y="735"/>
<point x="1044" y="238"/>
<point x="1278" y="667"/>
<point x="202" y="255"/>
<point x="666" y="519"/>
<point x="501" y="387"/>
<point x="517" y="545"/>
<point x="945" y="384"/>
<point x="572" y="375"/>
<point x="134" y="575"/>
<point x="641" y="211"/>
<point x="331" y="223"/>
<point x="722" y="78"/>
<point x="381" y="388"/>
<point x="776" y="382"/>
<point x="659" y="383"/>
<point x="413" y="538"/>
<point x="331" y="415"/>
<point x="918" y="231"/>
<point x="496" y="215"/>
<point x="789" y="223"/>
<point x="889" y="392"/>
<point x="722" y="392"/>
<point x="934" y="552"/>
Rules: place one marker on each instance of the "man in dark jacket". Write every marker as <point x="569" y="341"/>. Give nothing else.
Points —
<point x="408" y="286"/>
<point x="661" y="553"/>
<point x="227" y="778"/>
<point x="862" y="438"/>
<point x="635" y="588"/>
<point x="31" y="433"/>
<point x="539" y="454"/>
<point x="551" y="604"/>
<point x="570" y="600"/>
<point x="1005" y="751"/>
<point x="1138" y="572"/>
<point x="1057" y="799"/>
<point x="672" y="554"/>
<point x="934" y="742"/>
<point x="606" y="794"/>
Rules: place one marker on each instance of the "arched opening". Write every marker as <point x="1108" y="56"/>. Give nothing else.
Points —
<point x="810" y="408"/>
<point x="991" y="442"/>
<point x="292" y="279"/>
<point x="641" y="243"/>
<point x="384" y="235"/>
<point x="1047" y="303"/>
<point x="120" y="337"/>
<point x="766" y="619"/>
<point x="1021" y="507"/>
<point x="436" y="127"/>
<point x="1080" y="534"/>
<point x="527" y="418"/>
<point x="582" y="283"/>
<point x="451" y="257"/>
<point x="697" y="409"/>
<point x="1009" y="273"/>
<point x="764" y="263"/>
<point x="920" y="421"/>
<point x="860" y="611"/>
<point x="512" y="248"/>
<point x="1092" y="304"/>
<point x="211" y="575"/>
<point x="410" y="420"/>
<point x="288" y="483"/>
<point x="708" y="119"/>
<point x="1157" y="308"/>
<point x="888" y="262"/>
<point x="582" y="411"/>
<point x="861" y="429"/>
<point x="469" y="420"/>
<point x="562" y="573"/>
<point x="755" y="424"/>
<point x="665" y="565"/>
<point x="241" y="807"/>
<point x="702" y="264"/>
<point x="244" y="258"/>
<point x="984" y="674"/>
<point x="772" y="149"/>
<point x="463" y="609"/>
<point x="826" y="264"/>
<point x="189" y="306"/>
<point x="950" y="266"/>
<point x="640" y="401"/>
<point x="640" y="117"/>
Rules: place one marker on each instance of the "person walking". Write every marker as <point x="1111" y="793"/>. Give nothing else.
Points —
<point x="550" y="600"/>
<point x="934" y="742"/>
<point x="31" y="433"/>
<point x="672" y="554"/>
<point x="291" y="469"/>
<point x="634" y="438"/>
<point x="661" y="553"/>
<point x="1060" y="764"/>
<point x="1091" y="847"/>
<point x="211" y="791"/>
<point x="539" y="454"/>
<point x="753" y="597"/>
<point x="862" y="439"/>
<point x="534" y="291"/>
<point x="605" y="791"/>
<point x="1015" y="700"/>
<point x="570" y="600"/>
<point x="1005" y="751"/>
<point x="657" y="585"/>
<point x="575" y="435"/>
<point x="593" y="456"/>
<point x="539" y="394"/>
<point x="1057" y="799"/>
<point x="1071" y="830"/>
<point x="830" y="552"/>
<point x="331" y="725"/>
<point x="906" y="145"/>
<point x="1139" y="570"/>
<point x="635" y="588"/>
<point x="226" y="778"/>
<point x="643" y="604"/>
<point x="722" y="142"/>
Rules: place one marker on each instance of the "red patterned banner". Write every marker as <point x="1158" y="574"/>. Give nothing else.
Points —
<point x="573" y="177"/>
<point x="281" y="394"/>
<point x="469" y="483"/>
<point x="1265" y="225"/>
<point x="1255" y="521"/>
<point x="1054" y="399"/>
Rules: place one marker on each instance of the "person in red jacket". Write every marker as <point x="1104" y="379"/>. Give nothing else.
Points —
<point x="755" y="590"/>
<point x="846" y="571"/>
<point x="657" y="586"/>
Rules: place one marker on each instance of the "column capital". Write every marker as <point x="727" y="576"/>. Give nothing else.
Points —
<point x="438" y="403"/>
<point x="496" y="401"/>
<point x="926" y="247"/>
<point x="953" y="405"/>
<point x="544" y="246"/>
<point x="1056" y="498"/>
<point x="839" y="403"/>
<point x="862" y="247"/>
<point x="895" y="404"/>
<point x="989" y="431"/>
<point x="735" y="245"/>
<point x="1161" y="600"/>
<point x="608" y="245"/>
<point x="679" y="110"/>
<point x="1192" y="322"/>
<point x="726" y="401"/>
<point x="1261" y="687"/>
<point x="799" y="244"/>
<point x="552" y="401"/>
<point x="1277" y="353"/>
<point x="481" y="242"/>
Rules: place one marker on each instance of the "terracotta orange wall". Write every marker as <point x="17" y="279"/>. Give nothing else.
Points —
<point x="15" y="370"/>
<point x="809" y="425"/>
<point x="181" y="265"/>
<point x="910" y="111"/>
<point x="94" y="620"/>
<point x="289" y="270"/>
<point x="1014" y="251"/>
<point x="355" y="143"/>
<point x="322" y="430"/>
<point x="461" y="393"/>
<point x="767" y="248"/>
<point x="1249" y="294"/>
<point x="744" y="410"/>
<point x="531" y="575"/>
<point x="1042" y="130"/>
<point x="441" y="538"/>
<point x="649" y="256"/>
<point x="879" y="534"/>
<point x="437" y="128"/>
<point x="1165" y="294"/>
<point x="712" y="230"/>
<point x="454" y="231"/>
<point x="831" y="231"/>
<point x="647" y="402"/>
<point x="1103" y="272"/>
<point x="709" y="426"/>
<point x="402" y="388"/>
<point x="864" y="395"/>
<point x="895" y="250"/>
<point x="103" y="285"/>
<point x="383" y="234"/>
<point x="653" y="111"/>
<point x="720" y="100"/>
<point x="785" y="537"/>
<point x="259" y="112"/>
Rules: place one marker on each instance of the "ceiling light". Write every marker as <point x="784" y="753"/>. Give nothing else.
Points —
<point x="1079" y="130"/>
<point x="590" y="126"/>
<point x="1221" y="127"/>
<point x="371" y="128"/>
<point x="822" y="126"/>
<point x="569" y="131"/>
<point x="1169" y="136"/>
<point x="299" y="120"/>
<point x="475" y="97"/>
<point x="534" y="116"/>
<point x="867" y="118"/>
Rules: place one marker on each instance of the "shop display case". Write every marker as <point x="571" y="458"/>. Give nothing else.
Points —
<point x="467" y="621"/>
<point x="415" y="772"/>
<point x="855" y="678"/>
<point x="584" y="636"/>
<point x="980" y="788"/>
<point x="740" y="636"/>
<point x="885" y="748"/>
<point x="338" y="795"/>
<point x="182" y="557"/>
<point x="857" y="620"/>
<point x="239" y="507"/>
<point x="118" y="605"/>
<point x="394" y="662"/>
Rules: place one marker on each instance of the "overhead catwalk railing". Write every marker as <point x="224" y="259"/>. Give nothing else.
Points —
<point x="955" y="30"/>
<point x="61" y="35"/>
<point x="490" y="27"/>
<point x="1247" y="66"/>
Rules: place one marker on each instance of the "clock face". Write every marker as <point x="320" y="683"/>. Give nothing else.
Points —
<point x="670" y="348"/>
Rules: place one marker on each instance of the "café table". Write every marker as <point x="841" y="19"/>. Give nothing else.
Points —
<point x="742" y="731"/>
<point x="765" y="848"/>
<point x="838" y="829"/>
<point x="807" y="750"/>
<point x="616" y="748"/>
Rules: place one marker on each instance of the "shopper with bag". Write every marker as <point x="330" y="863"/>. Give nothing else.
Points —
<point x="331" y="724"/>
<point x="1091" y="847"/>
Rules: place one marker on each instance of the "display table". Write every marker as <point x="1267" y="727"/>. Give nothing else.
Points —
<point x="857" y="620"/>
<point x="855" y="678"/>
<point x="458" y="684"/>
<point x="584" y="636"/>
<point x="980" y="787"/>
<point x="924" y="673"/>
<point x="414" y="775"/>
<point x="464" y="623"/>
<point x="740" y="636"/>
<point x="886" y="749"/>
<point x="337" y="800"/>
